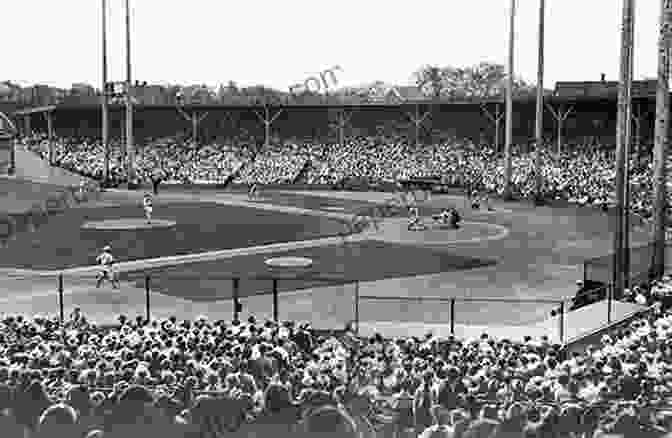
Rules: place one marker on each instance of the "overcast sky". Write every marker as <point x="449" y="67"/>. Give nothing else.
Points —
<point x="279" y="43"/>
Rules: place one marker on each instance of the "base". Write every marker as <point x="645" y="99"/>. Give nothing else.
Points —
<point x="417" y="227"/>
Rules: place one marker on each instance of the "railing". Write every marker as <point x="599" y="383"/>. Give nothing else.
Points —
<point x="327" y="302"/>
<point x="179" y="291"/>
<point x="601" y="268"/>
<point x="461" y="317"/>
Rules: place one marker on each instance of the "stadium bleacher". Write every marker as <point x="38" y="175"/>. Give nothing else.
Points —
<point x="248" y="378"/>
<point x="254" y="378"/>
<point x="261" y="378"/>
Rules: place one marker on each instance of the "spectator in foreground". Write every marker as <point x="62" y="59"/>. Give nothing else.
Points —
<point x="9" y="425"/>
<point x="30" y="403"/>
<point x="59" y="420"/>
<point x="329" y="422"/>
<point x="441" y="427"/>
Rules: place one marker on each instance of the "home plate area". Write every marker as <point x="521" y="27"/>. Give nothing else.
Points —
<point x="435" y="233"/>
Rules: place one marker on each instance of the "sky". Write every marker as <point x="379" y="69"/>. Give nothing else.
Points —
<point x="282" y="43"/>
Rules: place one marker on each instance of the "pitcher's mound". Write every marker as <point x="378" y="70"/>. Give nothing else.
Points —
<point x="128" y="224"/>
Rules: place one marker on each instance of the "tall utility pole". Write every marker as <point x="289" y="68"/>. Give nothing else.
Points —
<point x="624" y="89"/>
<point x="129" y="101"/>
<point x="661" y="138"/>
<point x="539" y="121"/>
<point x="628" y="144"/>
<point x="104" y="101"/>
<point x="509" y="107"/>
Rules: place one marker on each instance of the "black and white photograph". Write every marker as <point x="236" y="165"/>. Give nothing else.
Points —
<point x="335" y="220"/>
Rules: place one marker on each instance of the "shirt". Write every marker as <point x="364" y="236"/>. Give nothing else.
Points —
<point x="105" y="259"/>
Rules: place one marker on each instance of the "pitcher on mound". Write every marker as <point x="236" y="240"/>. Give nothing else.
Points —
<point x="147" y="205"/>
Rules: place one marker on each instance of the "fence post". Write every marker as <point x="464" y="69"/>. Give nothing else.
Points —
<point x="236" y="303"/>
<point x="562" y="322"/>
<point x="610" y="293"/>
<point x="275" y="299"/>
<point x="452" y="316"/>
<point x="60" y="299"/>
<point x="147" y="296"/>
<point x="357" y="306"/>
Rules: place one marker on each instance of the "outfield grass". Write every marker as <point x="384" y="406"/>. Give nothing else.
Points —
<point x="61" y="243"/>
<point x="365" y="261"/>
<point x="18" y="196"/>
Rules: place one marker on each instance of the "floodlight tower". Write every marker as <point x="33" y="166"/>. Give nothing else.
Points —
<point x="129" y="102"/>
<point x="539" y="121"/>
<point x="508" y="170"/>
<point x="622" y="133"/>
<point x="661" y="139"/>
<point x="104" y="100"/>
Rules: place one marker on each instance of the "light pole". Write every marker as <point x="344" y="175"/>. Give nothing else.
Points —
<point x="628" y="141"/>
<point x="104" y="101"/>
<point x="661" y="138"/>
<point x="508" y="195"/>
<point x="539" y="122"/>
<point x="622" y="132"/>
<point x="129" y="102"/>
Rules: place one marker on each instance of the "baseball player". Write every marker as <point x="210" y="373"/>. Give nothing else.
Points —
<point x="414" y="218"/>
<point x="106" y="262"/>
<point x="147" y="205"/>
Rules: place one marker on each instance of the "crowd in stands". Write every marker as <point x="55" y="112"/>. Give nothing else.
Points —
<point x="275" y="165"/>
<point x="580" y="175"/>
<point x="260" y="378"/>
<point x="252" y="378"/>
<point x="173" y="162"/>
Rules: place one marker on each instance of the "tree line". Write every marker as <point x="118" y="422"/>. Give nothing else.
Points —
<point x="429" y="83"/>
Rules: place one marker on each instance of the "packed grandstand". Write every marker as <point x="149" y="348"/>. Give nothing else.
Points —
<point x="583" y="174"/>
<point x="70" y="375"/>
<point x="261" y="378"/>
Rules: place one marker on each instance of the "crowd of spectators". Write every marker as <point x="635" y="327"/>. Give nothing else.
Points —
<point x="260" y="378"/>
<point x="580" y="175"/>
<point x="275" y="165"/>
<point x="172" y="162"/>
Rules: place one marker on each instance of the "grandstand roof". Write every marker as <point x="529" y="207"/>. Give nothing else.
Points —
<point x="38" y="109"/>
<point x="576" y="98"/>
<point x="7" y="128"/>
<point x="603" y="89"/>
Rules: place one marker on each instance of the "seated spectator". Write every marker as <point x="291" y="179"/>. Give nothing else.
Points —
<point x="31" y="401"/>
<point x="328" y="422"/>
<point x="279" y="415"/>
<point x="9" y="425"/>
<point x="442" y="425"/>
<point x="135" y="414"/>
<point x="58" y="420"/>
